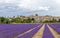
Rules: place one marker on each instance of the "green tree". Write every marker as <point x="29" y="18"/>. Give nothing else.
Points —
<point x="6" y="21"/>
<point x="15" y="20"/>
<point x="2" y="19"/>
<point x="59" y="20"/>
<point x="36" y="14"/>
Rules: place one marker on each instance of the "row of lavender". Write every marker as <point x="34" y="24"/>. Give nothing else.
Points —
<point x="12" y="30"/>
<point x="30" y="34"/>
<point x="56" y="27"/>
<point x="47" y="33"/>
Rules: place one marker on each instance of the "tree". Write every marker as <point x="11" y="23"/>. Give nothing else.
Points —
<point x="6" y="21"/>
<point x="15" y="20"/>
<point x="59" y="20"/>
<point x="2" y="19"/>
<point x="33" y="20"/>
<point x="36" y="14"/>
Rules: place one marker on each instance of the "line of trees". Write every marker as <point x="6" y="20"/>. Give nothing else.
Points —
<point x="4" y="20"/>
<point x="52" y="21"/>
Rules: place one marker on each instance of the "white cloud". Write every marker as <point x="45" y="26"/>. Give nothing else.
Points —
<point x="48" y="5"/>
<point x="44" y="8"/>
<point x="57" y="1"/>
<point x="33" y="5"/>
<point x="9" y="1"/>
<point x="6" y="1"/>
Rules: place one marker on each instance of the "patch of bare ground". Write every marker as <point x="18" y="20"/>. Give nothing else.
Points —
<point x="39" y="34"/>
<point x="26" y="32"/>
<point x="55" y="34"/>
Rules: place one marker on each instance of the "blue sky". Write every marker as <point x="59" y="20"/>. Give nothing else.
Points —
<point x="29" y="7"/>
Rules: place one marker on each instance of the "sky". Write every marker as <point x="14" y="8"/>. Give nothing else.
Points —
<point x="29" y="7"/>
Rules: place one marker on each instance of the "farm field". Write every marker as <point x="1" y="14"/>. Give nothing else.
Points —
<point x="29" y="30"/>
<point x="56" y="27"/>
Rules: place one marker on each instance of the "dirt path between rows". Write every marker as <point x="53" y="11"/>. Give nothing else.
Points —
<point x="53" y="32"/>
<point x="26" y="32"/>
<point x="39" y="34"/>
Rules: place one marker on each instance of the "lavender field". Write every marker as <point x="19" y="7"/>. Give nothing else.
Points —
<point x="47" y="33"/>
<point x="56" y="27"/>
<point x="27" y="30"/>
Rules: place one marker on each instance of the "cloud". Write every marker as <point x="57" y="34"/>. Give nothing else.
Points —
<point x="9" y="1"/>
<point x="30" y="6"/>
<point x="34" y="8"/>
<point x="57" y="1"/>
<point x="33" y="5"/>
